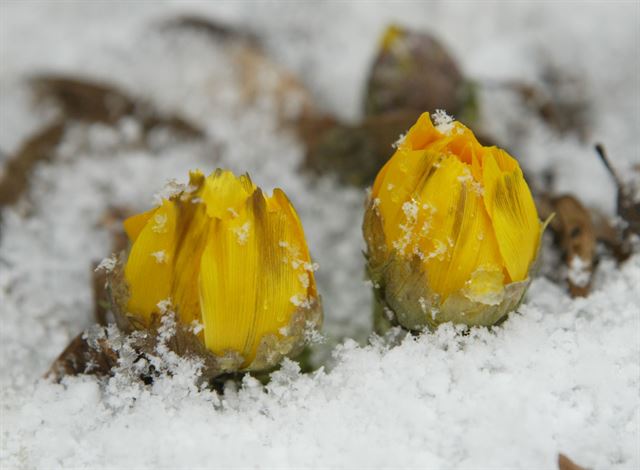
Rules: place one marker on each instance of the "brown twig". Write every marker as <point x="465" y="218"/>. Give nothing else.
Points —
<point x="602" y="153"/>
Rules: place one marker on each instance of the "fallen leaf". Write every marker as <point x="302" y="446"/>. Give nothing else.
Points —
<point x="259" y="77"/>
<point x="214" y="29"/>
<point x="565" y="463"/>
<point x="575" y="235"/>
<point x="559" y="99"/>
<point x="91" y="101"/>
<point x="80" y="357"/>
<point x="100" y="295"/>
<point x="14" y="176"/>
<point x="112" y="221"/>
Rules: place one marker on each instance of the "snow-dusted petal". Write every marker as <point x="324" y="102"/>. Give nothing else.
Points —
<point x="250" y="281"/>
<point x="149" y="268"/>
<point x="513" y="213"/>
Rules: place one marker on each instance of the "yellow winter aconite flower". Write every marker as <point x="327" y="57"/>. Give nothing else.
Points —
<point x="451" y="228"/>
<point x="230" y="258"/>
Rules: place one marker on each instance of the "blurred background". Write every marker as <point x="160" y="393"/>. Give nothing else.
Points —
<point x="101" y="103"/>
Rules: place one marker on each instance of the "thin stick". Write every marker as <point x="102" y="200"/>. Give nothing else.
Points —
<point x="602" y="153"/>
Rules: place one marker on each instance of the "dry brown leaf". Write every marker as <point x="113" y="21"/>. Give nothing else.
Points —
<point x="83" y="99"/>
<point x="112" y="221"/>
<point x="80" y="357"/>
<point x="565" y="463"/>
<point x="92" y="354"/>
<point x="575" y="234"/>
<point x="258" y="75"/>
<point x="211" y="27"/>
<point x="14" y="176"/>
<point x="86" y="100"/>
<point x="100" y="295"/>
<point x="559" y="99"/>
<point x="292" y="99"/>
<point x="611" y="236"/>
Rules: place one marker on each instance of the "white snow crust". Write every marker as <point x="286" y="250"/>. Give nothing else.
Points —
<point x="560" y="375"/>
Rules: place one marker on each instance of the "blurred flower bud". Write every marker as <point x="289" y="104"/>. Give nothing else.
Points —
<point x="413" y="70"/>
<point x="451" y="229"/>
<point x="226" y="257"/>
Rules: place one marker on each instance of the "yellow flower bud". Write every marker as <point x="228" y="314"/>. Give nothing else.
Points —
<point x="451" y="229"/>
<point x="229" y="258"/>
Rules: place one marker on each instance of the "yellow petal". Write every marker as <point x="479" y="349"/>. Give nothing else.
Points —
<point x="402" y="176"/>
<point x="250" y="276"/>
<point x="390" y="36"/>
<point x="458" y="237"/>
<point x="134" y="224"/>
<point x="462" y="143"/>
<point x="149" y="271"/>
<point x="224" y="194"/>
<point x="191" y="239"/>
<point x="287" y="282"/>
<point x="505" y="161"/>
<point x="196" y="179"/>
<point x="408" y="170"/>
<point x="513" y="213"/>
<point x="292" y="238"/>
<point x="421" y="134"/>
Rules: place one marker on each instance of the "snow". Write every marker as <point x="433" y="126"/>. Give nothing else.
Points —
<point x="579" y="273"/>
<point x="561" y="375"/>
<point x="160" y="256"/>
<point x="443" y="122"/>
<point x="242" y="233"/>
<point x="107" y="264"/>
<point x="555" y="377"/>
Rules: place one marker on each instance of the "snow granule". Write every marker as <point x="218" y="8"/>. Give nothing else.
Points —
<point x="159" y="223"/>
<point x="444" y="122"/>
<point x="410" y="210"/>
<point x="171" y="189"/>
<point x="579" y="273"/>
<point x="312" y="335"/>
<point x="304" y="280"/>
<point x="242" y="233"/>
<point x="196" y="327"/>
<point x="300" y="301"/>
<point x="107" y="264"/>
<point x="160" y="256"/>
<point x="400" y="141"/>
<point x="165" y="305"/>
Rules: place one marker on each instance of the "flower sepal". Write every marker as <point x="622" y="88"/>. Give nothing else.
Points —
<point x="402" y="291"/>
